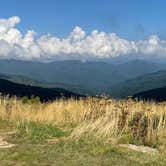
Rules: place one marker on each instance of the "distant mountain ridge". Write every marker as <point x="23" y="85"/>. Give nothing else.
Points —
<point x="80" y="77"/>
<point x="32" y="82"/>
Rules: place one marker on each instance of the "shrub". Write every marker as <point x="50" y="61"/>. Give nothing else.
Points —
<point x="32" y="100"/>
<point x="25" y="100"/>
<point x="138" y="127"/>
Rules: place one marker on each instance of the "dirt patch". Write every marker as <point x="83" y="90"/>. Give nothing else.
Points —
<point x="5" y="144"/>
<point x="143" y="149"/>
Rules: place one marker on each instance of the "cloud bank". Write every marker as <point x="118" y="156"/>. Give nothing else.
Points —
<point x="77" y="45"/>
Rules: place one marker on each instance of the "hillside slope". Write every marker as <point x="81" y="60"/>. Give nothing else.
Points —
<point x="158" y="94"/>
<point x="139" y="84"/>
<point x="45" y="94"/>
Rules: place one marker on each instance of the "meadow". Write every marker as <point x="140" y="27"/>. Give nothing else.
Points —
<point x="70" y="132"/>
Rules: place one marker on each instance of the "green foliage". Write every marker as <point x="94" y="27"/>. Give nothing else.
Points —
<point x="39" y="132"/>
<point x="32" y="100"/>
<point x="25" y="100"/>
<point x="35" y="100"/>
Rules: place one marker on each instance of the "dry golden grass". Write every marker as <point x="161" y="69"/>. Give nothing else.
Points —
<point x="110" y="120"/>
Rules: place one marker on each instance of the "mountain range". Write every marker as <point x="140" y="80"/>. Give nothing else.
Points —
<point x="87" y="78"/>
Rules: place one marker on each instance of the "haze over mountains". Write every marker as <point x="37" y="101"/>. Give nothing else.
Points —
<point x="88" y="78"/>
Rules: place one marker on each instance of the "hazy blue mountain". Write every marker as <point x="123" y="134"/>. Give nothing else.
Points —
<point x="158" y="94"/>
<point x="83" y="77"/>
<point x="139" y="84"/>
<point x="32" y="82"/>
<point x="137" y="68"/>
<point x="89" y="76"/>
<point x="24" y="80"/>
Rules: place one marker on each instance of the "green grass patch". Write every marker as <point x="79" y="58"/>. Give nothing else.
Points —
<point x="38" y="132"/>
<point x="33" y="149"/>
<point x="67" y="152"/>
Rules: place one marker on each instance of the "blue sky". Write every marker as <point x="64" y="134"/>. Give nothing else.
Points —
<point x="82" y="29"/>
<point x="130" y="19"/>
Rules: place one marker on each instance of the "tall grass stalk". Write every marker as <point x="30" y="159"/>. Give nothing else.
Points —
<point x="106" y="120"/>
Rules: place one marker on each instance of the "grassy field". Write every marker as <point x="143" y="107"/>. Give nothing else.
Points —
<point x="84" y="132"/>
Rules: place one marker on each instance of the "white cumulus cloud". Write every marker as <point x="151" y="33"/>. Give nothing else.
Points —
<point x="77" y="45"/>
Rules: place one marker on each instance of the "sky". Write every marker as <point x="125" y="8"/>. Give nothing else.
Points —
<point x="128" y="18"/>
<point x="82" y="29"/>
